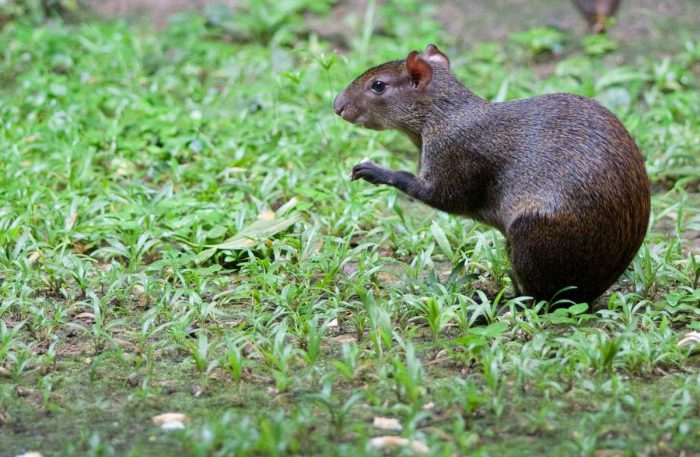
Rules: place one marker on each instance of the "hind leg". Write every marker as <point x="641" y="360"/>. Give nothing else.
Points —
<point x="550" y="256"/>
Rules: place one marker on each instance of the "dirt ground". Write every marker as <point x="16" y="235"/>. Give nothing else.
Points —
<point x="642" y="26"/>
<point x="636" y="18"/>
<point x="155" y="10"/>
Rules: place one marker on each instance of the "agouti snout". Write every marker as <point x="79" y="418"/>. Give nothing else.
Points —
<point x="597" y="12"/>
<point x="557" y="174"/>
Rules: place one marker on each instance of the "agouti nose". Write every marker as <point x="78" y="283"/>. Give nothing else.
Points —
<point x="339" y="103"/>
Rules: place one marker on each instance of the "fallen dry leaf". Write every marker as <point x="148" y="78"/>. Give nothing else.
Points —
<point x="391" y="442"/>
<point x="692" y="338"/>
<point x="170" y="421"/>
<point x="387" y="423"/>
<point x="33" y="257"/>
<point x="341" y="339"/>
<point x="173" y="426"/>
<point x="23" y="391"/>
<point x="253" y="233"/>
<point x="333" y="324"/>
<point x="86" y="315"/>
<point x="267" y="215"/>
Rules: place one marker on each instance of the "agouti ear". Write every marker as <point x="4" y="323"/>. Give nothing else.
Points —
<point x="433" y="55"/>
<point x="419" y="71"/>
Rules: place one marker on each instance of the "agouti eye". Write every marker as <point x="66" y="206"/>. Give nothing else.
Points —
<point x="378" y="86"/>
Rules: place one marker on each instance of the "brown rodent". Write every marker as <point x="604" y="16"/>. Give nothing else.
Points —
<point x="597" y="12"/>
<point x="557" y="174"/>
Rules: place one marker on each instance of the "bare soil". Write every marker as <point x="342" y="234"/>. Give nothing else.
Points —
<point x="642" y="26"/>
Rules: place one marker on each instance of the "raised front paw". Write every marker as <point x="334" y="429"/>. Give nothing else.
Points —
<point x="370" y="172"/>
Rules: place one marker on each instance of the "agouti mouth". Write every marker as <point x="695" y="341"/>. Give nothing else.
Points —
<point x="349" y="113"/>
<point x="340" y="104"/>
<point x="346" y="113"/>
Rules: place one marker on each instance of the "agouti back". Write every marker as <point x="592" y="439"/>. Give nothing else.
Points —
<point x="557" y="174"/>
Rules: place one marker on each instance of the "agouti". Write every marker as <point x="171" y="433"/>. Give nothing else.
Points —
<point x="597" y="12"/>
<point x="557" y="174"/>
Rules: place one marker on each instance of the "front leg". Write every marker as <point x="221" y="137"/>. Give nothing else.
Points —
<point x="404" y="181"/>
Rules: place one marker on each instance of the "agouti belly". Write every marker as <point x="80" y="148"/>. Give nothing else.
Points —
<point x="558" y="174"/>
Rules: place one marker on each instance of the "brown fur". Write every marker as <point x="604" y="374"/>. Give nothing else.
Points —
<point x="557" y="174"/>
<point x="597" y="12"/>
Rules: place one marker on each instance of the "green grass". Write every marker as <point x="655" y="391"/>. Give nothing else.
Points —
<point x="128" y="155"/>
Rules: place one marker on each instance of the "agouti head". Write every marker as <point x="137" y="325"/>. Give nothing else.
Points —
<point x="395" y="94"/>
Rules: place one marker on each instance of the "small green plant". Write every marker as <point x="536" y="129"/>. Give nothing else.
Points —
<point x="436" y="312"/>
<point x="279" y="355"/>
<point x="100" y="321"/>
<point x="36" y="11"/>
<point x="599" y="44"/>
<point x="201" y="353"/>
<point x="338" y="409"/>
<point x="540" y="40"/>
<point x="234" y="361"/>
<point x="408" y="373"/>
